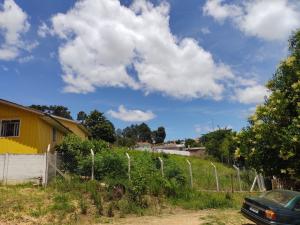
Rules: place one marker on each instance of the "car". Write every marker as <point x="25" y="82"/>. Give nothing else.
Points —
<point x="276" y="207"/>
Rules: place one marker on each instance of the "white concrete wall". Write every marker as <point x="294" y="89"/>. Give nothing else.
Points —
<point x="2" y="158"/>
<point x="17" y="168"/>
<point x="167" y="151"/>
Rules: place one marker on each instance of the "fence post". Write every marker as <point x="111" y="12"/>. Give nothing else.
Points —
<point x="231" y="180"/>
<point x="129" y="166"/>
<point x="262" y="182"/>
<point x="239" y="176"/>
<point x="93" y="162"/>
<point x="55" y="163"/>
<point x="47" y="166"/>
<point x="161" y="166"/>
<point x="191" y="172"/>
<point x="253" y="184"/>
<point x="216" y="174"/>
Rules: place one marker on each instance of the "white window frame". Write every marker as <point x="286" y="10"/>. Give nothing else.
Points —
<point x="5" y="119"/>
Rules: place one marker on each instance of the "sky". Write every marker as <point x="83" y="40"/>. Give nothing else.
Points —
<point x="191" y="66"/>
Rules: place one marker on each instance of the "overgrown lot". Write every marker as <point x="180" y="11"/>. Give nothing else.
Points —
<point x="112" y="194"/>
<point x="77" y="202"/>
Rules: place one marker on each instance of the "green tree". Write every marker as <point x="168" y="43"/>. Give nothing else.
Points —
<point x="159" y="135"/>
<point x="271" y="141"/>
<point x="100" y="127"/>
<point x="81" y="116"/>
<point x="57" y="110"/>
<point x="220" y="144"/>
<point x="144" y="133"/>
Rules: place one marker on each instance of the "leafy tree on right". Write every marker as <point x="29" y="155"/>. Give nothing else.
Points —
<point x="271" y="142"/>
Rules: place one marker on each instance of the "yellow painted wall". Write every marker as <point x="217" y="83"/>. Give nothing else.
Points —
<point x="34" y="136"/>
<point x="74" y="128"/>
<point x="11" y="146"/>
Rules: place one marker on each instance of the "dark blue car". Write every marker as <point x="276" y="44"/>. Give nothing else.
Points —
<point x="277" y="207"/>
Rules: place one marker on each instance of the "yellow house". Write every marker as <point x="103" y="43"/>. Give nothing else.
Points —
<point x="27" y="131"/>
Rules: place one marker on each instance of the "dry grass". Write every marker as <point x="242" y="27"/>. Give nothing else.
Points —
<point x="28" y="205"/>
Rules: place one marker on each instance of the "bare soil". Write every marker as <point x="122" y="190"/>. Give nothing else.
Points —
<point x="184" y="217"/>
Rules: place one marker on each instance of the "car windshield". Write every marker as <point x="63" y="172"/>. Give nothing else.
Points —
<point x="281" y="197"/>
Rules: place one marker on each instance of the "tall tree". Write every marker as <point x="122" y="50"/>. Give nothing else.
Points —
<point x="144" y="133"/>
<point x="57" y="110"/>
<point x="81" y="116"/>
<point x="215" y="143"/>
<point x="271" y="142"/>
<point x="100" y="127"/>
<point x="159" y="135"/>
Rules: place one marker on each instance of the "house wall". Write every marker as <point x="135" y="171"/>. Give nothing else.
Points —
<point x="34" y="136"/>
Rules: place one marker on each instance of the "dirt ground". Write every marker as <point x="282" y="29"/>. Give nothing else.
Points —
<point x="183" y="217"/>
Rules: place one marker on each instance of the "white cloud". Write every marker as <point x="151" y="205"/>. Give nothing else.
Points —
<point x="205" y="30"/>
<point x="134" y="115"/>
<point x="26" y="59"/>
<point x="253" y="94"/>
<point x="13" y="23"/>
<point x="266" y="19"/>
<point x="102" y="39"/>
<point x="44" y="30"/>
<point x="220" y="11"/>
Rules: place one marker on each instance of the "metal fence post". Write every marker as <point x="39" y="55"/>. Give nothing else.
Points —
<point x="93" y="163"/>
<point x="161" y="166"/>
<point x="129" y="166"/>
<point x="239" y="176"/>
<point x="191" y="172"/>
<point x="216" y="174"/>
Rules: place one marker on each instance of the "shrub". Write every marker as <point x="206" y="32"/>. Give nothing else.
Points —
<point x="75" y="152"/>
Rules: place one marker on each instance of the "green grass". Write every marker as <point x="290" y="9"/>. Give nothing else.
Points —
<point x="203" y="172"/>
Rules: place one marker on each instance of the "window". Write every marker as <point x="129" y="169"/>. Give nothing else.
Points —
<point x="54" y="134"/>
<point x="10" y="128"/>
<point x="297" y="206"/>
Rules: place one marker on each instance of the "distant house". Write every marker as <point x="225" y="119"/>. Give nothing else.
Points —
<point x="27" y="131"/>
<point x="197" y="151"/>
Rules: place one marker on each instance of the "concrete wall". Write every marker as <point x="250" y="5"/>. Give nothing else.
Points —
<point x="17" y="168"/>
<point x="167" y="151"/>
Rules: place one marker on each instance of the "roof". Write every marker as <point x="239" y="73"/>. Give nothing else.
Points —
<point x="51" y="119"/>
<point x="74" y="122"/>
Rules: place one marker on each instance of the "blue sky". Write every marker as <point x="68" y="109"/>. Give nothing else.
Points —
<point x="189" y="66"/>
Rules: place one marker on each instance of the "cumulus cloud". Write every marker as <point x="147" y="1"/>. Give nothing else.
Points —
<point x="13" y="23"/>
<point x="134" y="115"/>
<point x="220" y="11"/>
<point x="44" y="30"/>
<point x="104" y="40"/>
<point x="253" y="94"/>
<point x="269" y="20"/>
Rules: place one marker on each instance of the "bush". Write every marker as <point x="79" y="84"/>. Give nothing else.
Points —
<point x="74" y="151"/>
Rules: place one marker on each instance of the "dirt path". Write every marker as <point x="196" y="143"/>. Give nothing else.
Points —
<point x="201" y="217"/>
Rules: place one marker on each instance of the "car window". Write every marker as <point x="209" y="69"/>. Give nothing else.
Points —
<point x="279" y="196"/>
<point x="297" y="206"/>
